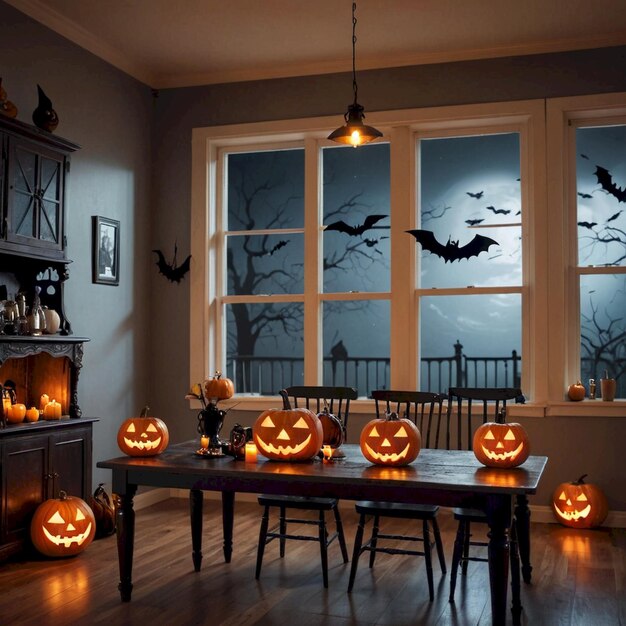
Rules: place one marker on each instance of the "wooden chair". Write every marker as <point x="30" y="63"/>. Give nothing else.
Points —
<point x="337" y="400"/>
<point x="425" y="409"/>
<point x="463" y="418"/>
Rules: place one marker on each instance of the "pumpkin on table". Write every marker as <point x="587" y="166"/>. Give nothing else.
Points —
<point x="62" y="526"/>
<point x="579" y="504"/>
<point x="143" y="435"/>
<point x="332" y="428"/>
<point x="497" y="444"/>
<point x="390" y="440"/>
<point x="288" y="434"/>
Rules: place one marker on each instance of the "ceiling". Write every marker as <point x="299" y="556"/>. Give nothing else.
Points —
<point x="165" y="43"/>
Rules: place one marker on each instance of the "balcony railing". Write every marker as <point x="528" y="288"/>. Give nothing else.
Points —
<point x="266" y="375"/>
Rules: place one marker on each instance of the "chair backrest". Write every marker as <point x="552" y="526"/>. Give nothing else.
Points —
<point x="460" y="402"/>
<point x="315" y="398"/>
<point x="421" y="407"/>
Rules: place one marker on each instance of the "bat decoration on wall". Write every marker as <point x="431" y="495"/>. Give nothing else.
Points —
<point x="585" y="196"/>
<point x="588" y="224"/>
<point x="478" y="195"/>
<point x="614" y="217"/>
<point x="605" y="180"/>
<point x="497" y="211"/>
<point x="451" y="251"/>
<point x="171" y="271"/>
<point x="353" y="231"/>
<point x="474" y="222"/>
<point x="584" y="156"/>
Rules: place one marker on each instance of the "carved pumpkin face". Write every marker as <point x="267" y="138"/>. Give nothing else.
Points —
<point x="579" y="505"/>
<point x="143" y="436"/>
<point x="390" y="441"/>
<point x="218" y="388"/>
<point x="501" y="445"/>
<point x="63" y="526"/>
<point x="288" y="434"/>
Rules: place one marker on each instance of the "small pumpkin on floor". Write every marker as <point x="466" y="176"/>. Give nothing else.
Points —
<point x="579" y="504"/>
<point x="103" y="511"/>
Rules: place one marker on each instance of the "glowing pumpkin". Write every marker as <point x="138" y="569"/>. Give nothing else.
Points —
<point x="218" y="388"/>
<point x="288" y="434"/>
<point x="62" y="526"/>
<point x="579" y="504"/>
<point x="497" y="444"/>
<point x="332" y="428"/>
<point x="143" y="435"/>
<point x="576" y="392"/>
<point x="390" y="440"/>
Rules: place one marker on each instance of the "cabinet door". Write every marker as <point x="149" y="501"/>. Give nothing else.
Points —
<point x="24" y="467"/>
<point x="70" y="462"/>
<point x="35" y="195"/>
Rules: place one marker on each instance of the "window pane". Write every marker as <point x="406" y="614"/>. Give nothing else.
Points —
<point x="601" y="188"/>
<point x="603" y="329"/>
<point x="264" y="347"/>
<point x="356" y="344"/>
<point x="470" y="341"/>
<point x="264" y="264"/>
<point x="356" y="216"/>
<point x="266" y="190"/>
<point x="470" y="187"/>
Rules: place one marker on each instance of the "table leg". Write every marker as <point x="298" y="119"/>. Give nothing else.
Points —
<point x="498" y="512"/>
<point x="125" y="526"/>
<point x="516" y="604"/>
<point x="196" y="498"/>
<point x="228" y="518"/>
<point x="522" y="526"/>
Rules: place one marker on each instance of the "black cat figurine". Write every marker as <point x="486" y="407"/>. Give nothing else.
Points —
<point x="44" y="116"/>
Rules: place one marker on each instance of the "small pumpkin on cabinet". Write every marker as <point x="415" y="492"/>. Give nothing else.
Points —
<point x="62" y="526"/>
<point x="579" y="504"/>
<point x="390" y="440"/>
<point x="497" y="444"/>
<point x="143" y="436"/>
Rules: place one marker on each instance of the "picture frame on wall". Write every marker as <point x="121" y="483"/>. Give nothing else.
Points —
<point x="106" y="250"/>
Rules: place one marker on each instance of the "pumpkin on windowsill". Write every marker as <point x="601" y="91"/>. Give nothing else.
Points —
<point x="579" y="504"/>
<point x="143" y="435"/>
<point x="288" y="434"/>
<point x="390" y="440"/>
<point x="576" y="392"/>
<point x="497" y="444"/>
<point x="218" y="388"/>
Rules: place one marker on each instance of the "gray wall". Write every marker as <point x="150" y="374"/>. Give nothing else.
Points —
<point x="140" y="330"/>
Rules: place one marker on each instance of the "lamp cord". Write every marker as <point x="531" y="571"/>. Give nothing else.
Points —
<point x="354" y="85"/>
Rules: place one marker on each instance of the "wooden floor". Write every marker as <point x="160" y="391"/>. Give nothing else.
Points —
<point x="578" y="579"/>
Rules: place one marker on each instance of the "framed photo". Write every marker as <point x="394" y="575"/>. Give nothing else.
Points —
<point x="106" y="251"/>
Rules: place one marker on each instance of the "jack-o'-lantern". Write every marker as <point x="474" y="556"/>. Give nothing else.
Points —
<point x="497" y="444"/>
<point x="103" y="512"/>
<point x="390" y="440"/>
<point x="576" y="392"/>
<point x="332" y="428"/>
<point x="579" y="504"/>
<point x="143" y="435"/>
<point x="62" y="526"/>
<point x="218" y="388"/>
<point x="288" y="434"/>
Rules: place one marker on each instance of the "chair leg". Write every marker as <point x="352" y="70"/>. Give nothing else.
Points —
<point x="283" y="531"/>
<point x="374" y="540"/>
<point x="439" y="546"/>
<point x="428" y="558"/>
<point x="466" y="547"/>
<point x="340" y="535"/>
<point x="356" y="553"/>
<point x="456" y="557"/>
<point x="262" y="540"/>
<point x="323" y="548"/>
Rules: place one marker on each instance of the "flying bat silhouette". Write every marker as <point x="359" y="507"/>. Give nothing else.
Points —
<point x="278" y="246"/>
<point x="588" y="224"/>
<point x="451" y="251"/>
<point x="474" y="222"/>
<point x="585" y="195"/>
<point x="614" y="217"/>
<point x="496" y="211"/>
<point x="353" y="231"/>
<point x="605" y="180"/>
<point x="478" y="195"/>
<point x="370" y="243"/>
<point x="171" y="271"/>
<point x="584" y="156"/>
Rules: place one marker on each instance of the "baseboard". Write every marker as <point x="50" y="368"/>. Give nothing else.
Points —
<point x="538" y="513"/>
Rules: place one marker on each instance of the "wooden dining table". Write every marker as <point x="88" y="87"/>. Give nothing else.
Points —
<point x="443" y="477"/>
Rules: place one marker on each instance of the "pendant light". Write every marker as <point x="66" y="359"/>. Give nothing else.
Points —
<point x="355" y="132"/>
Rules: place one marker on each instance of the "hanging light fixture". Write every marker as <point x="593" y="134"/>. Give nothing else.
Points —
<point x="355" y="132"/>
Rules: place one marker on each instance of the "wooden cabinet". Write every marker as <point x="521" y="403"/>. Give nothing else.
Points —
<point x="36" y="462"/>
<point x="35" y="164"/>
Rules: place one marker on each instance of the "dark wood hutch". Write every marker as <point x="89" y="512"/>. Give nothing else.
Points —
<point x="37" y="459"/>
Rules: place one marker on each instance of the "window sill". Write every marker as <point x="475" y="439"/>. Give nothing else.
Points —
<point x="586" y="408"/>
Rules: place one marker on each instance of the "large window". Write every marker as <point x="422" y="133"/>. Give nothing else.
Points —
<point x="513" y="272"/>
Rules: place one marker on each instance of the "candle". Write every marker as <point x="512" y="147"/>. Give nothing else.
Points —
<point x="327" y="451"/>
<point x="204" y="442"/>
<point x="43" y="401"/>
<point x="6" y="406"/>
<point x="251" y="453"/>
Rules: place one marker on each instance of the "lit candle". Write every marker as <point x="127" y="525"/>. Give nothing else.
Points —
<point x="327" y="451"/>
<point x="251" y="453"/>
<point x="204" y="442"/>
<point x="6" y="406"/>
